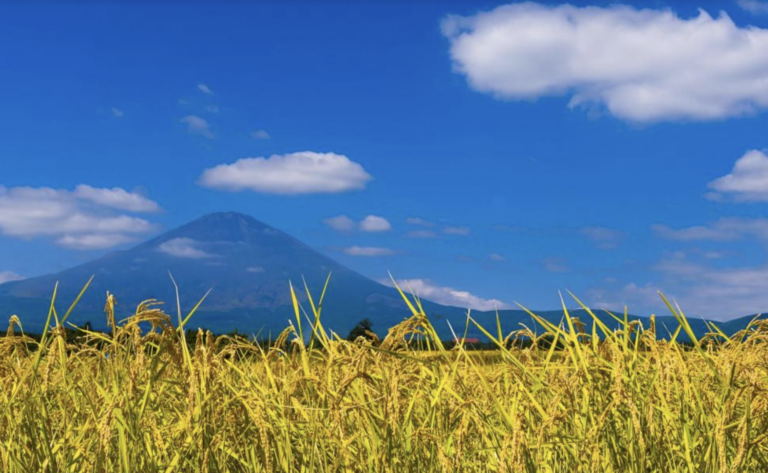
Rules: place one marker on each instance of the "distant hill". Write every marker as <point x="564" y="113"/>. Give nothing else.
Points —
<point x="247" y="264"/>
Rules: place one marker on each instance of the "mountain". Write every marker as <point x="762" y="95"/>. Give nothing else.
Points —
<point x="247" y="266"/>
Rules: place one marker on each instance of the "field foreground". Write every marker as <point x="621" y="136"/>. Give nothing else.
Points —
<point x="142" y="399"/>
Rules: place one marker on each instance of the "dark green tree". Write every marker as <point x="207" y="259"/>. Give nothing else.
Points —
<point x="360" y="330"/>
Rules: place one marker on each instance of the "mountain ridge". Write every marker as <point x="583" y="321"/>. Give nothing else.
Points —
<point x="248" y="265"/>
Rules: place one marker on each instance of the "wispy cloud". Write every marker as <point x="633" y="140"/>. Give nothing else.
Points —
<point x="305" y="172"/>
<point x="184" y="248"/>
<point x="198" y="126"/>
<point x="755" y="7"/>
<point x="419" y="221"/>
<point x="656" y="67"/>
<point x="427" y="231"/>
<point x="260" y="135"/>
<point x="724" y="229"/>
<point x="496" y="257"/>
<point x="421" y="234"/>
<point x="204" y="89"/>
<point x="8" y="276"/>
<point x="340" y="223"/>
<point x="368" y="251"/>
<point x="117" y="113"/>
<point x="720" y="292"/>
<point x="94" y="241"/>
<point x="702" y="288"/>
<point x="633" y="296"/>
<point x="447" y="295"/>
<point x="555" y="265"/>
<point x="605" y="238"/>
<point x="462" y="231"/>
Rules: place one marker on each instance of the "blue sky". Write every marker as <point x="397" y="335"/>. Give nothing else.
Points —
<point x="489" y="154"/>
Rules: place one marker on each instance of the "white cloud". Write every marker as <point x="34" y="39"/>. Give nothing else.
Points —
<point x="84" y="218"/>
<point x="93" y="241"/>
<point x="183" y="248"/>
<point x="368" y="251"/>
<point x="340" y="223"/>
<point x="632" y="296"/>
<point x="371" y="223"/>
<point x="754" y="6"/>
<point x="116" y="198"/>
<point x="198" y="126"/>
<point x="605" y="238"/>
<point x="419" y="221"/>
<point x="701" y="288"/>
<point x="496" y="257"/>
<point x="717" y="292"/>
<point x="117" y="113"/>
<point x="747" y="182"/>
<point x="305" y="172"/>
<point x="260" y="135"/>
<point x="724" y="229"/>
<point x="255" y="269"/>
<point x="204" y="89"/>
<point x="212" y="108"/>
<point x="8" y="276"/>
<point x="641" y="65"/>
<point x="463" y="231"/>
<point x="425" y="288"/>
<point x="374" y="223"/>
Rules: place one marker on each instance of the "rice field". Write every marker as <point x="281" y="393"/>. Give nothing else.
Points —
<point x="142" y="399"/>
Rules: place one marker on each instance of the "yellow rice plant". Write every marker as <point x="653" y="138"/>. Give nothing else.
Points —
<point x="140" y="399"/>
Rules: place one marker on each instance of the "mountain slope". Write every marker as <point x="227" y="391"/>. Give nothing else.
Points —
<point x="246" y="263"/>
<point x="247" y="266"/>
